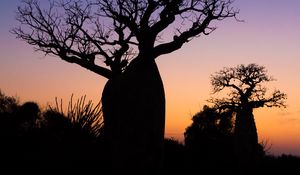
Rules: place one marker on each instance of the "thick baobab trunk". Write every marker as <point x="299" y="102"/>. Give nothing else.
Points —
<point x="134" y="119"/>
<point x="246" y="140"/>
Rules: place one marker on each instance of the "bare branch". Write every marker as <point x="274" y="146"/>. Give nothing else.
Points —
<point x="277" y="99"/>
<point x="245" y="85"/>
<point x="60" y="34"/>
<point x="114" y="30"/>
<point x="200" y="15"/>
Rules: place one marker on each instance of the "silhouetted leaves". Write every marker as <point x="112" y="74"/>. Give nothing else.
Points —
<point x="7" y="104"/>
<point x="209" y="141"/>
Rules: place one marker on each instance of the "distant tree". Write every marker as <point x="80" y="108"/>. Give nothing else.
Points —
<point x="245" y="84"/>
<point x="210" y="121"/>
<point x="7" y="104"/>
<point x="120" y="40"/>
<point x="209" y="140"/>
<point x="8" y="109"/>
<point x="17" y="119"/>
<point x="29" y="113"/>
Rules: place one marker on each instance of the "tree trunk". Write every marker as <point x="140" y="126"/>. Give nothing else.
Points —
<point x="246" y="140"/>
<point x="134" y="119"/>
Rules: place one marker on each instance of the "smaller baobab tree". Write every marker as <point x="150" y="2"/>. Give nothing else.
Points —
<point x="246" y="91"/>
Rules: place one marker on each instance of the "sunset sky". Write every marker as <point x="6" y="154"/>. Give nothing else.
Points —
<point x="269" y="36"/>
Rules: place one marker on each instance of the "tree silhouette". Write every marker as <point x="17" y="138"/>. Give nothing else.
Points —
<point x="209" y="141"/>
<point x="7" y="104"/>
<point x="120" y="40"/>
<point x="245" y="84"/>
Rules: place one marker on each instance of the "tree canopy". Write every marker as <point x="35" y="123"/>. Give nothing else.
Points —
<point x="105" y="35"/>
<point x="245" y="84"/>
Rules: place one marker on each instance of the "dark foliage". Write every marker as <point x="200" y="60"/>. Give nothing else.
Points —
<point x="283" y="164"/>
<point x="33" y="141"/>
<point x="209" y="141"/>
<point x="53" y="142"/>
<point x="7" y="104"/>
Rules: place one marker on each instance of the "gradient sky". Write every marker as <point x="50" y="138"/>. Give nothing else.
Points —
<point x="270" y="36"/>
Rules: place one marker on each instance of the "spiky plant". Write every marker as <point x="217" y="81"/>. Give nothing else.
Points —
<point x="82" y="114"/>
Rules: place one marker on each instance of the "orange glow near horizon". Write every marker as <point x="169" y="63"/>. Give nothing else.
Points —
<point x="268" y="37"/>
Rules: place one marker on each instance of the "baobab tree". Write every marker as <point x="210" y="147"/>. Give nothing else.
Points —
<point x="120" y="40"/>
<point x="245" y="84"/>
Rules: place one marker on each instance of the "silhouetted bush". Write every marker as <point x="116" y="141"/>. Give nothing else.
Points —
<point x="209" y="145"/>
<point x="75" y="135"/>
<point x="283" y="164"/>
<point x="35" y="141"/>
<point x="71" y="142"/>
<point x="209" y="139"/>
<point x="83" y="115"/>
<point x="7" y="104"/>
